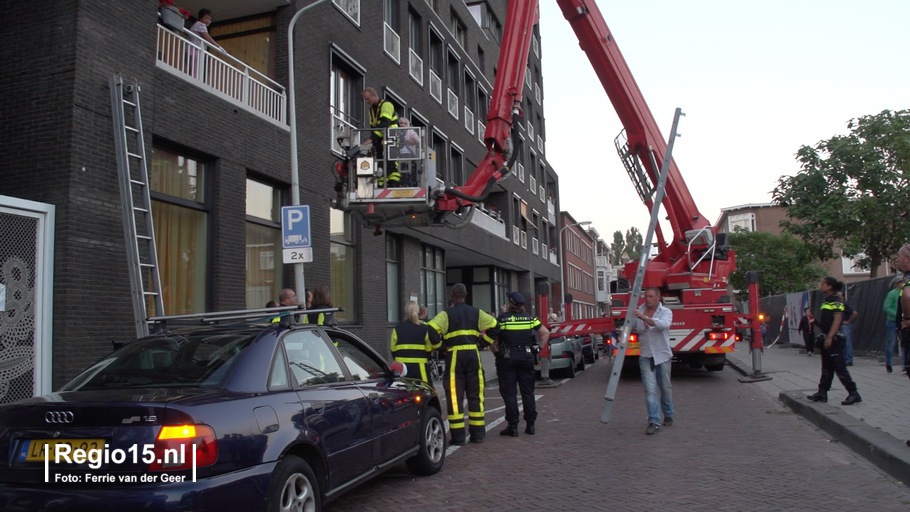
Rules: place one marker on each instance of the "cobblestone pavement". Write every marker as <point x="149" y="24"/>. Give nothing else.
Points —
<point x="733" y="446"/>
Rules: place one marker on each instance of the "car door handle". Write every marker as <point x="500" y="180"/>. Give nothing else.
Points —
<point x="374" y="397"/>
<point x="318" y="407"/>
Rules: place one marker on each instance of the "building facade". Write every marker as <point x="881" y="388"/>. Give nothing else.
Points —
<point x="766" y="218"/>
<point x="216" y="129"/>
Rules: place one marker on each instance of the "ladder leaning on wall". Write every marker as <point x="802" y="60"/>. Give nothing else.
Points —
<point x="132" y="166"/>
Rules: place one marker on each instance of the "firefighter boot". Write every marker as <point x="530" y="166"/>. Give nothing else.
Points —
<point x="852" y="398"/>
<point x="819" y="396"/>
<point x="529" y="429"/>
<point x="511" y="430"/>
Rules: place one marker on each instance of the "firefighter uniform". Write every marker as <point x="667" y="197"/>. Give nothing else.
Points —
<point x="515" y="360"/>
<point x="382" y="115"/>
<point x="462" y="327"/>
<point x="411" y="346"/>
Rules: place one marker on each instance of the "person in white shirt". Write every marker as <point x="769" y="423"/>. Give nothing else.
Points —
<point x="652" y="323"/>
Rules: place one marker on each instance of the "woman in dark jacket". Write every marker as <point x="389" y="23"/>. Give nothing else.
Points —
<point x="829" y="322"/>
<point x="807" y="330"/>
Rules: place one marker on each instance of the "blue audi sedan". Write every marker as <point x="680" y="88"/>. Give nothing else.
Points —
<point x="247" y="416"/>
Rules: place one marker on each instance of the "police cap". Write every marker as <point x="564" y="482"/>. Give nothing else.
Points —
<point x="517" y="299"/>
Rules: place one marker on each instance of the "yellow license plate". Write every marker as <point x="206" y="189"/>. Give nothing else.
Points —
<point x="403" y="193"/>
<point x="33" y="450"/>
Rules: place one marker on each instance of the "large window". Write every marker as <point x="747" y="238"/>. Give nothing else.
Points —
<point x="351" y="9"/>
<point x="743" y="221"/>
<point x="263" y="243"/>
<point x="392" y="265"/>
<point x="344" y="102"/>
<point x="433" y="280"/>
<point x="343" y="264"/>
<point x="180" y="212"/>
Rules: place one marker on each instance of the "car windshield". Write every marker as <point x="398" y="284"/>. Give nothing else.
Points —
<point x="202" y="359"/>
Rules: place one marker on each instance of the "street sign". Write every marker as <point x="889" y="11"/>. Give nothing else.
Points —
<point x="302" y="255"/>
<point x="295" y="227"/>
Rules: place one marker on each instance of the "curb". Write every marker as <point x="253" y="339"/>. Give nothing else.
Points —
<point x="884" y="450"/>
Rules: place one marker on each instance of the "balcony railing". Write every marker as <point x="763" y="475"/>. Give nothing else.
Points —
<point x="221" y="74"/>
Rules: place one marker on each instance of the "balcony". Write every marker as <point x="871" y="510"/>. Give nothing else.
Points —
<point x="222" y="75"/>
<point x="489" y="220"/>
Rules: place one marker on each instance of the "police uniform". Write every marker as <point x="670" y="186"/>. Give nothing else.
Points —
<point x="411" y="346"/>
<point x="515" y="363"/>
<point x="462" y="327"/>
<point x="382" y="115"/>
<point x="903" y="333"/>
<point x="833" y="356"/>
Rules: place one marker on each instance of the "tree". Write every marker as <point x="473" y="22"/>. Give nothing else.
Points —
<point x="851" y="192"/>
<point x="634" y="242"/>
<point x="785" y="263"/>
<point x="617" y="248"/>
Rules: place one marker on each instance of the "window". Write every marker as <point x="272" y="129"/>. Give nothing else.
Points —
<point x="743" y="221"/>
<point x="181" y="214"/>
<point x="253" y="38"/>
<point x="263" y="242"/>
<point x="415" y="35"/>
<point x="458" y="29"/>
<point x="311" y="359"/>
<point x="851" y="266"/>
<point x="343" y="263"/>
<point x="344" y="102"/>
<point x="478" y="12"/>
<point x="436" y="58"/>
<point x="433" y="279"/>
<point x="391" y="29"/>
<point x="392" y="264"/>
<point x="454" y="83"/>
<point x="439" y="146"/>
<point x="351" y="9"/>
<point x="456" y="166"/>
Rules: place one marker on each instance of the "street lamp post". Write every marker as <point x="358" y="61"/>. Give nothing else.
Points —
<point x="562" y="269"/>
<point x="299" y="282"/>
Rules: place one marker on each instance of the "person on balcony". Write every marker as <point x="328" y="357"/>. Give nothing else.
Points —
<point x="200" y="30"/>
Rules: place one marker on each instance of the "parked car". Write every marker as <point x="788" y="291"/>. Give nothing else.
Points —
<point x="566" y="355"/>
<point x="247" y="416"/>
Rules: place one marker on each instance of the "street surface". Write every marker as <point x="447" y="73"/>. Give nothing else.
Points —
<point x="732" y="447"/>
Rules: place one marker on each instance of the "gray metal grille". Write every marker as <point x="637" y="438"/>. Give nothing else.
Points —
<point x="18" y="254"/>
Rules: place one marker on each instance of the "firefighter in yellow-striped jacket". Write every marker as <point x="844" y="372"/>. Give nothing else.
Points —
<point x="463" y="328"/>
<point x="411" y="343"/>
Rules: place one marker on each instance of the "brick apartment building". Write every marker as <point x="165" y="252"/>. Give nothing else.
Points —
<point x="766" y="218"/>
<point x="219" y="164"/>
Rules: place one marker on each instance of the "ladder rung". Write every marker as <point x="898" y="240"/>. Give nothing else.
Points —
<point x="130" y="128"/>
<point x="143" y="210"/>
<point x="150" y="294"/>
<point x="134" y="155"/>
<point x="143" y="237"/>
<point x="128" y="102"/>
<point x="137" y="182"/>
<point x="147" y="265"/>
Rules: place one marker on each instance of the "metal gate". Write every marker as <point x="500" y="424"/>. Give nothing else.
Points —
<point x="26" y="276"/>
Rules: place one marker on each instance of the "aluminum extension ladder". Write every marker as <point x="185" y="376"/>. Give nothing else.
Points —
<point x="132" y="166"/>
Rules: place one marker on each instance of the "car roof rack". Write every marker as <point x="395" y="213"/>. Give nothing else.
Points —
<point x="286" y="314"/>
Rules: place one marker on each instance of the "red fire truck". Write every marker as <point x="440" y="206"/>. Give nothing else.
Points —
<point x="693" y="263"/>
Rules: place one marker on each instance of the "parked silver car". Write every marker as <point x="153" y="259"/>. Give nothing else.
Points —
<point x="566" y="354"/>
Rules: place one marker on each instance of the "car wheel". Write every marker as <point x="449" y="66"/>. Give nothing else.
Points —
<point x="714" y="367"/>
<point x="432" y="452"/>
<point x="581" y="364"/>
<point x="570" y="370"/>
<point x="588" y="355"/>
<point x="293" y="487"/>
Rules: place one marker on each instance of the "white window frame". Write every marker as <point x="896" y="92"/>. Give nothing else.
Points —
<point x="350" y="8"/>
<point x="481" y="130"/>
<point x="391" y="43"/>
<point x="452" y="103"/>
<point x="521" y="172"/>
<point x="530" y="128"/>
<point x="524" y="239"/>
<point x="436" y="87"/>
<point x="850" y="266"/>
<point x="532" y="182"/>
<point x="469" y="120"/>
<point x="535" y="245"/>
<point x="743" y="220"/>
<point x="415" y="67"/>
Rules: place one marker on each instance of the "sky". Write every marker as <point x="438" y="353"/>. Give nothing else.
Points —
<point x="756" y="81"/>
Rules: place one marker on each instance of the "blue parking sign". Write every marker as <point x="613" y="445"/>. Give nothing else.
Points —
<point x="295" y="227"/>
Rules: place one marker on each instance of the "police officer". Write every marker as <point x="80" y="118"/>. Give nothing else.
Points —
<point x="382" y="116"/>
<point x="462" y="328"/>
<point x="832" y="346"/>
<point x="411" y="343"/>
<point x="517" y="345"/>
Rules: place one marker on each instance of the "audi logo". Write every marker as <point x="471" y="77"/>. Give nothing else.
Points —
<point x="58" y="417"/>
